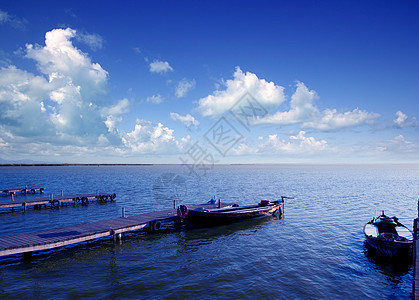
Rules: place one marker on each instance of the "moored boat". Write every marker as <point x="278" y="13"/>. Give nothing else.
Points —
<point x="202" y="217"/>
<point x="388" y="236"/>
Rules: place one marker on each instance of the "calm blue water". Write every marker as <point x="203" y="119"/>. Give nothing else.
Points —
<point x="315" y="251"/>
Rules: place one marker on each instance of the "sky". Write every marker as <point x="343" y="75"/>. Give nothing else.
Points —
<point x="185" y="82"/>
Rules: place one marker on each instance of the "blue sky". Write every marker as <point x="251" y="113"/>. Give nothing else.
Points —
<point x="236" y="82"/>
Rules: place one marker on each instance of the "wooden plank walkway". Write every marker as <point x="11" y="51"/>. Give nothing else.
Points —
<point x="415" y="259"/>
<point x="54" y="238"/>
<point x="56" y="201"/>
<point x="24" y="190"/>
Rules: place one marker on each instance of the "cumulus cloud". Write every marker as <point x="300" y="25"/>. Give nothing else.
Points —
<point x="148" y="137"/>
<point x="21" y="95"/>
<point x="402" y="120"/>
<point x="161" y="67"/>
<point x="62" y="112"/>
<point x="301" y="108"/>
<point x="113" y="114"/>
<point x="65" y="64"/>
<point x="295" y="145"/>
<point x="184" y="87"/>
<point x="266" y="93"/>
<point x="299" y="143"/>
<point x="305" y="112"/>
<point x="188" y="120"/>
<point x="155" y="99"/>
<point x="64" y="103"/>
<point x="331" y="120"/>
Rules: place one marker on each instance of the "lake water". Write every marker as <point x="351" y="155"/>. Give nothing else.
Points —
<point x="316" y="250"/>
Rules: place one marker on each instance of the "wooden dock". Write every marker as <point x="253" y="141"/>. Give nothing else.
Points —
<point x="56" y="201"/>
<point x="415" y="259"/>
<point x="54" y="238"/>
<point x="24" y="190"/>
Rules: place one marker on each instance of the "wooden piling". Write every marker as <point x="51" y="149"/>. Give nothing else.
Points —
<point x="415" y="257"/>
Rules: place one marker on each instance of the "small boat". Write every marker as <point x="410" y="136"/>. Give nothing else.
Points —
<point x="202" y="217"/>
<point x="388" y="236"/>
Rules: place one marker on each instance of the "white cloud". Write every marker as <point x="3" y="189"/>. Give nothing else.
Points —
<point x="396" y="149"/>
<point x="299" y="143"/>
<point x="60" y="113"/>
<point x="295" y="145"/>
<point x="114" y="114"/>
<point x="94" y="41"/>
<point x="149" y="138"/>
<point x="331" y="120"/>
<point x="266" y="93"/>
<point x="305" y="112"/>
<point x="187" y="120"/>
<point x="21" y="94"/>
<point x="63" y="62"/>
<point x="400" y="145"/>
<point x="301" y="108"/>
<point x="64" y="108"/>
<point x="161" y="67"/>
<point x="184" y="87"/>
<point x="402" y="120"/>
<point x="155" y="99"/>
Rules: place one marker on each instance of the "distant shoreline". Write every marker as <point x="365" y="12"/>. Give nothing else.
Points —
<point x="68" y="165"/>
<point x="225" y="164"/>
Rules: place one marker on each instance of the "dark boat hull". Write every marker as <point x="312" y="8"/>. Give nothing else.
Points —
<point x="391" y="249"/>
<point x="207" y="218"/>
<point x="388" y="236"/>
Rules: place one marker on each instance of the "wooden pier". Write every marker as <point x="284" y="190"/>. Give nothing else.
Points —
<point x="56" y="201"/>
<point x="54" y="238"/>
<point x="24" y="190"/>
<point x="415" y="259"/>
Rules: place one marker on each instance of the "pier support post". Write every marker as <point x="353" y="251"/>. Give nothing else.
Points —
<point x="123" y="212"/>
<point x="27" y="255"/>
<point x="117" y="237"/>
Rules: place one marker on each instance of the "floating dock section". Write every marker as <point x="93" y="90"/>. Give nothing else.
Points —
<point x="24" y="190"/>
<point x="56" y="201"/>
<point x="54" y="238"/>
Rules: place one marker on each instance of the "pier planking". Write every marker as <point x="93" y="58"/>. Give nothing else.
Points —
<point x="59" y="237"/>
<point x="56" y="201"/>
<point x="415" y="259"/>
